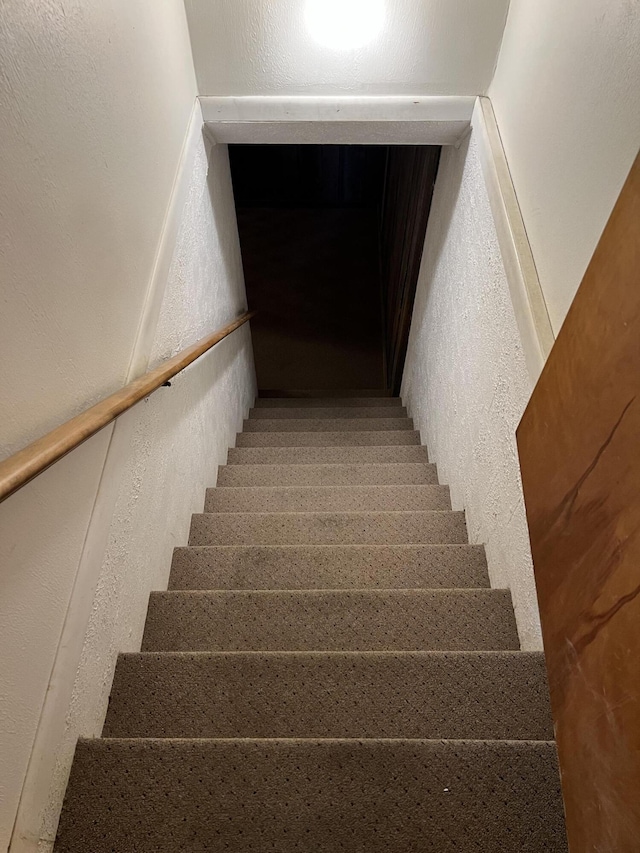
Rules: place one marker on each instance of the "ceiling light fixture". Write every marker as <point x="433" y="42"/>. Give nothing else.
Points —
<point x="344" y="24"/>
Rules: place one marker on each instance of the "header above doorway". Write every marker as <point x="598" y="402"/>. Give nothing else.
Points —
<point x="323" y="120"/>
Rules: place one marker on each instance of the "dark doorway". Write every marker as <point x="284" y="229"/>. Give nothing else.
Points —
<point x="331" y="239"/>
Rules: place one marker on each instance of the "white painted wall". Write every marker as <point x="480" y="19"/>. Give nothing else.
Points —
<point x="566" y="95"/>
<point x="437" y="47"/>
<point x="466" y="382"/>
<point x="97" y="101"/>
<point x="166" y="452"/>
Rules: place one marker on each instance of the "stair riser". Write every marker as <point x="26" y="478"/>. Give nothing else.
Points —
<point x="323" y="796"/>
<point x="450" y="620"/>
<point x="329" y="567"/>
<point x="331" y="413"/>
<point x="329" y="425"/>
<point x="328" y="499"/>
<point x="362" y="474"/>
<point x="360" y="438"/>
<point x="371" y="528"/>
<point x="479" y="695"/>
<point x="326" y="455"/>
<point x="328" y="403"/>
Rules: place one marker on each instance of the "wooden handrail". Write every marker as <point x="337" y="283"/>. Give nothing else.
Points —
<point x="17" y="470"/>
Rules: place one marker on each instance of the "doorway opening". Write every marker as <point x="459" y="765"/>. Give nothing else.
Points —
<point x="331" y="239"/>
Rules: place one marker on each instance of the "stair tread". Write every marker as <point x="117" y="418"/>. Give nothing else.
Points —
<point x="343" y="438"/>
<point x="310" y="393"/>
<point x="319" y="413"/>
<point x="425" y="694"/>
<point x="395" y="424"/>
<point x="393" y="796"/>
<point x="327" y="473"/>
<point x="328" y="566"/>
<point x="302" y="528"/>
<point x="327" y="455"/>
<point x="315" y="620"/>
<point x="327" y="402"/>
<point x="326" y="498"/>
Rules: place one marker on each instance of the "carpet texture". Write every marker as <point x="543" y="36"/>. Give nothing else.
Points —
<point x="288" y="473"/>
<point x="330" y="620"/>
<point x="378" y="455"/>
<point x="322" y="413"/>
<point x="329" y="567"/>
<point x="330" y="403"/>
<point x="355" y="438"/>
<point x="313" y="424"/>
<point x="328" y="499"/>
<point x="327" y="528"/>
<point x="329" y="669"/>
<point x="361" y="796"/>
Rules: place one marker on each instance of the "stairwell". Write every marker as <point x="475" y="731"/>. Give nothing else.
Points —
<point x="329" y="669"/>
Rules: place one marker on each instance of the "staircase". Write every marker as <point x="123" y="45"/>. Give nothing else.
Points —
<point x="329" y="670"/>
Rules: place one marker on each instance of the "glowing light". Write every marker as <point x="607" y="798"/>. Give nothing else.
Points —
<point x="344" y="24"/>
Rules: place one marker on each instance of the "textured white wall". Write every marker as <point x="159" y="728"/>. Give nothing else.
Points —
<point x="174" y="442"/>
<point x="96" y="100"/>
<point x="566" y="95"/>
<point x="162" y="456"/>
<point x="436" y="47"/>
<point x="466" y="382"/>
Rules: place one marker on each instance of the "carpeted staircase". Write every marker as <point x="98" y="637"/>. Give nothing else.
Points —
<point x="329" y="670"/>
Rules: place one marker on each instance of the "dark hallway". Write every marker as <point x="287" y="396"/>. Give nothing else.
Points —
<point x="331" y="236"/>
<point x="308" y="221"/>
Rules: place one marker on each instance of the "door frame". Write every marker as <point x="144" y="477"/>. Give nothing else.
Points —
<point x="404" y="120"/>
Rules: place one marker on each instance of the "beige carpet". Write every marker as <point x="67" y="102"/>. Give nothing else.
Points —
<point x="329" y="669"/>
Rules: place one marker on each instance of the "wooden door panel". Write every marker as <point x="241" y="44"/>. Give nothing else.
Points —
<point x="579" y="446"/>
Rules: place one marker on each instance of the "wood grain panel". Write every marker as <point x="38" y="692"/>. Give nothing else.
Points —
<point x="579" y="444"/>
